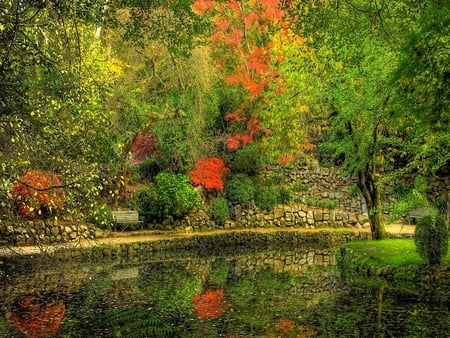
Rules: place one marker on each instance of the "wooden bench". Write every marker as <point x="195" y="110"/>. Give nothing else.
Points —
<point x="416" y="214"/>
<point x="126" y="218"/>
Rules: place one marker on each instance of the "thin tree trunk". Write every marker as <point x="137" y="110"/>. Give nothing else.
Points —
<point x="372" y="195"/>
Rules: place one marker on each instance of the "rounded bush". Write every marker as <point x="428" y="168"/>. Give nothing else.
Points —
<point x="172" y="196"/>
<point x="266" y="199"/>
<point x="431" y="238"/>
<point x="284" y="195"/>
<point x="240" y="190"/>
<point x="149" y="169"/>
<point x="247" y="160"/>
<point x="219" y="210"/>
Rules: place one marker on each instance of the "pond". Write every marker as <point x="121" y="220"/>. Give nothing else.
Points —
<point x="280" y="292"/>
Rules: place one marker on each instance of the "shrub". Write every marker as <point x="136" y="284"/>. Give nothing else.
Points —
<point x="219" y="210"/>
<point x="431" y="238"/>
<point x="149" y="169"/>
<point x="284" y="195"/>
<point x="172" y="195"/>
<point x="266" y="199"/>
<point x="240" y="190"/>
<point x="247" y="160"/>
<point x="101" y="217"/>
<point x="35" y="194"/>
<point x="209" y="173"/>
<point x="441" y="205"/>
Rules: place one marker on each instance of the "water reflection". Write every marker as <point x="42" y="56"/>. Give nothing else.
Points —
<point x="38" y="316"/>
<point x="277" y="293"/>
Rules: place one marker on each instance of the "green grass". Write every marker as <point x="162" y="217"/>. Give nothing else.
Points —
<point x="392" y="252"/>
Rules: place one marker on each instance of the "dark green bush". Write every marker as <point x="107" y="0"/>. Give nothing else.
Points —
<point x="247" y="160"/>
<point x="149" y="169"/>
<point x="169" y="196"/>
<point x="101" y="217"/>
<point x="431" y="238"/>
<point x="240" y="190"/>
<point x="219" y="210"/>
<point x="266" y="199"/>
<point x="142" y="201"/>
<point x="441" y="205"/>
<point x="284" y="195"/>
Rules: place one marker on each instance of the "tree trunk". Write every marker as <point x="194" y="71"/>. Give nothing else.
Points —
<point x="372" y="195"/>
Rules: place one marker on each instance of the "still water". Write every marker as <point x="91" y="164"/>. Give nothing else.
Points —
<point x="259" y="293"/>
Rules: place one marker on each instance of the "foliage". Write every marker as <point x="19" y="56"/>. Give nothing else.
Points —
<point x="431" y="238"/>
<point x="209" y="173"/>
<point x="276" y="178"/>
<point x="135" y="322"/>
<point x="172" y="195"/>
<point x="414" y="198"/>
<point x="284" y="195"/>
<point x="441" y="204"/>
<point x="299" y="186"/>
<point x="101" y="217"/>
<point x="38" y="193"/>
<point x="219" y="210"/>
<point x="149" y="169"/>
<point x="143" y="146"/>
<point x="240" y="189"/>
<point x="266" y="198"/>
<point x="247" y="160"/>
<point x="142" y="201"/>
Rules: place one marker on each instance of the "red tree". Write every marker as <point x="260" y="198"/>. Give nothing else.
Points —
<point x="209" y="173"/>
<point x="242" y="43"/>
<point x="38" y="193"/>
<point x="144" y="146"/>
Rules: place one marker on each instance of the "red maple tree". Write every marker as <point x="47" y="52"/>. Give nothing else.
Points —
<point x="243" y="49"/>
<point x="38" y="193"/>
<point x="209" y="173"/>
<point x="144" y="146"/>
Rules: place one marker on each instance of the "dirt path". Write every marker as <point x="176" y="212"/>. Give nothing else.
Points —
<point x="150" y="235"/>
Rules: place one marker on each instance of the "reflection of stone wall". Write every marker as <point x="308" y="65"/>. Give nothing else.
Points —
<point x="284" y="262"/>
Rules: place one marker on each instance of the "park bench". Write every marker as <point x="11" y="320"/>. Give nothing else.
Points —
<point x="418" y="213"/>
<point x="125" y="218"/>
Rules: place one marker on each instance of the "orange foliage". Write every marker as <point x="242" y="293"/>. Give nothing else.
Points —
<point x="36" y="194"/>
<point x="202" y="6"/>
<point x="209" y="305"/>
<point x="38" y="321"/>
<point x="209" y="173"/>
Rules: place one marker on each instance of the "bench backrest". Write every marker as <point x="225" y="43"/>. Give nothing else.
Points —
<point x="125" y="216"/>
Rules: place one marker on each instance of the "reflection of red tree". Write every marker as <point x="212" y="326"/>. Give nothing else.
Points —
<point x="209" y="304"/>
<point x="38" y="321"/>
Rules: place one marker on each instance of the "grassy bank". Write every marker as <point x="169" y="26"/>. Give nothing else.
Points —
<point x="390" y="252"/>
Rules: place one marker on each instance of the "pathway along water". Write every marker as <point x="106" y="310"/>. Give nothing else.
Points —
<point x="150" y="235"/>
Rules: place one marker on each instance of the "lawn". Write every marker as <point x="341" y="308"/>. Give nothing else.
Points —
<point x="392" y="252"/>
